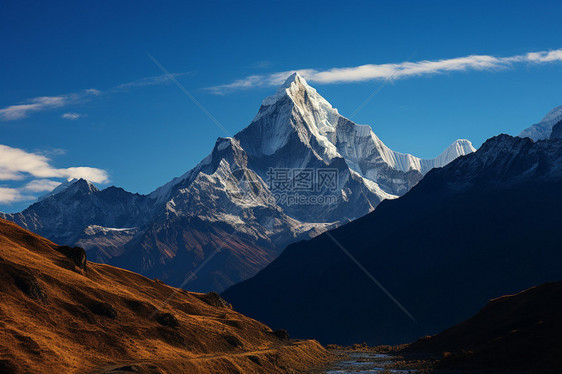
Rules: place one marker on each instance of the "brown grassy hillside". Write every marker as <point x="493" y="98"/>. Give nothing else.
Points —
<point x="517" y="333"/>
<point x="59" y="313"/>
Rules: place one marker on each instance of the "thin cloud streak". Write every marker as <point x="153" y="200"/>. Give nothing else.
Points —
<point x="10" y="195"/>
<point x="41" y="185"/>
<point x="150" y="81"/>
<point x="71" y="116"/>
<point x="393" y="71"/>
<point x="43" y="103"/>
<point x="19" y="111"/>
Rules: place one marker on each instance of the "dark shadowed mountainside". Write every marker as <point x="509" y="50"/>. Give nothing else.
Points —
<point x="487" y="224"/>
<point x="518" y="333"/>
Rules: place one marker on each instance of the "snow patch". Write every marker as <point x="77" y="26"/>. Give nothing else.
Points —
<point x="543" y="129"/>
<point x="95" y="229"/>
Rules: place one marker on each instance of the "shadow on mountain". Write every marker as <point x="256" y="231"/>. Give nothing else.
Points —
<point x="519" y="333"/>
<point x="487" y="224"/>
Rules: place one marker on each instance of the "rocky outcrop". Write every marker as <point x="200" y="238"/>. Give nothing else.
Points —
<point x="76" y="254"/>
<point x="556" y="131"/>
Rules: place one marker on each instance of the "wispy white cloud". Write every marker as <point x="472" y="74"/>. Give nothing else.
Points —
<point x="17" y="164"/>
<point x="42" y="103"/>
<point x="12" y="195"/>
<point x="392" y="70"/>
<point x="41" y="185"/>
<point x="9" y="195"/>
<point x="149" y="81"/>
<point x="71" y="116"/>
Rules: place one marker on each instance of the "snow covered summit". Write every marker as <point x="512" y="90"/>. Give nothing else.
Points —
<point x="543" y="129"/>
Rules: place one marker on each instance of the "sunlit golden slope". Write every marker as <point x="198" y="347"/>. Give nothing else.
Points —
<point x="59" y="313"/>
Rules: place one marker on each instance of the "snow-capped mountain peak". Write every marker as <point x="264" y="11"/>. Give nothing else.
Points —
<point x="294" y="86"/>
<point x="460" y="147"/>
<point x="72" y="186"/>
<point x="296" y="127"/>
<point x="506" y="159"/>
<point x="81" y="185"/>
<point x="61" y="187"/>
<point x="557" y="131"/>
<point x="296" y="111"/>
<point x="543" y="129"/>
<point x="554" y="115"/>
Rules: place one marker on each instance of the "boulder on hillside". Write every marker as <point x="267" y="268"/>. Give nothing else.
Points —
<point x="76" y="254"/>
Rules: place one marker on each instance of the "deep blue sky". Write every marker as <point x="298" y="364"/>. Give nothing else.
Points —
<point x="146" y="134"/>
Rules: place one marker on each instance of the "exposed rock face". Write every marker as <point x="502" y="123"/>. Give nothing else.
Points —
<point x="281" y="334"/>
<point x="214" y="299"/>
<point x="167" y="319"/>
<point x="101" y="308"/>
<point x="76" y="254"/>
<point x="227" y="212"/>
<point x="556" y="131"/>
<point x="66" y="216"/>
<point x="543" y="129"/>
<point x="27" y="283"/>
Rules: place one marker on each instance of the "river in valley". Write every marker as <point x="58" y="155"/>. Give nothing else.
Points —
<point x="366" y="362"/>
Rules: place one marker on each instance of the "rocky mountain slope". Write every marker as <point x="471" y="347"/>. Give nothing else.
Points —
<point x="543" y="129"/>
<point x="517" y="333"/>
<point x="487" y="224"/>
<point x="79" y="211"/>
<point x="61" y="313"/>
<point x="298" y="169"/>
<point x="557" y="131"/>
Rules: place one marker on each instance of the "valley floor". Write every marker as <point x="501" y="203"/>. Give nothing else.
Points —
<point x="374" y="360"/>
<point x="294" y="357"/>
<point x="385" y="360"/>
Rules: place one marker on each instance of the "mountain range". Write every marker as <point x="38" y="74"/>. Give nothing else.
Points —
<point x="298" y="169"/>
<point x="487" y="224"/>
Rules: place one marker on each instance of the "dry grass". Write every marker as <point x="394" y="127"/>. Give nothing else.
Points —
<point x="57" y="317"/>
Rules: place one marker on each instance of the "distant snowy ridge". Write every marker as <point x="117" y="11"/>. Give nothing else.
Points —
<point x="95" y="229"/>
<point x="543" y="129"/>
<point x="325" y="121"/>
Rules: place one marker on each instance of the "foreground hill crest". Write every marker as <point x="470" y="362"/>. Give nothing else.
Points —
<point x="61" y="315"/>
